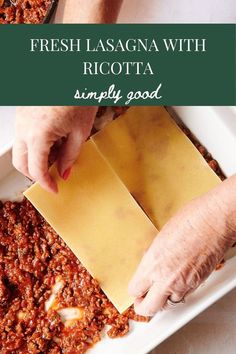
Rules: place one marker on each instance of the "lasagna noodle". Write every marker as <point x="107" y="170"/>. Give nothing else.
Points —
<point x="99" y="220"/>
<point x="156" y="161"/>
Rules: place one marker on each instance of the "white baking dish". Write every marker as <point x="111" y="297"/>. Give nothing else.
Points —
<point x="216" y="129"/>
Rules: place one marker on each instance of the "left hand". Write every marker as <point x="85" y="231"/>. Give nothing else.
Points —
<point x="183" y="254"/>
<point x="40" y="129"/>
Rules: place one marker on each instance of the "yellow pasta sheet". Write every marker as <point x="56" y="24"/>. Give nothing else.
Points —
<point x="99" y="220"/>
<point x="155" y="160"/>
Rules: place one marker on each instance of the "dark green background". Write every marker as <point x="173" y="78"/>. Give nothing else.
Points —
<point x="51" y="78"/>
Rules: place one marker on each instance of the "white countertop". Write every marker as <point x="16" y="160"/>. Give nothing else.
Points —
<point x="212" y="332"/>
<point x="6" y="127"/>
<point x="181" y="11"/>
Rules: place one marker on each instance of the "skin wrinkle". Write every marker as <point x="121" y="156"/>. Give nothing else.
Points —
<point x="172" y="281"/>
<point x="221" y="199"/>
<point x="177" y="269"/>
<point x="184" y="272"/>
<point x="223" y="207"/>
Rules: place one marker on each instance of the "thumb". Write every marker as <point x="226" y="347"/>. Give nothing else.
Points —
<point x="68" y="153"/>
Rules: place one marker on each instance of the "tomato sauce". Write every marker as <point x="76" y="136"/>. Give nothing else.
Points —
<point x="23" y="11"/>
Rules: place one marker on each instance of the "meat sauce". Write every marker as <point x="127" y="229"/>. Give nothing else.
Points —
<point x="23" y="11"/>
<point x="32" y="256"/>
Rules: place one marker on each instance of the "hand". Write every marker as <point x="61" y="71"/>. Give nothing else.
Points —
<point x="184" y="253"/>
<point x="38" y="129"/>
<point x="80" y="11"/>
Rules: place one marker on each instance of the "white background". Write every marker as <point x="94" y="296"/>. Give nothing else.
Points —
<point x="177" y="11"/>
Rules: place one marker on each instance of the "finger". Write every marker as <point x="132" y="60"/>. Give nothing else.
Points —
<point x="189" y="292"/>
<point x="20" y="157"/>
<point x="141" y="281"/>
<point x="153" y="302"/>
<point x="38" y="167"/>
<point x="68" y="153"/>
<point x="176" y="298"/>
<point x="139" y="285"/>
<point x="54" y="151"/>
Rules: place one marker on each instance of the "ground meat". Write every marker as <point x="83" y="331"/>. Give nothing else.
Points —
<point x="32" y="256"/>
<point x="23" y="11"/>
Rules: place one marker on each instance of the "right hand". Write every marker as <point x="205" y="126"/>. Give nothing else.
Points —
<point x="186" y="250"/>
<point x="37" y="129"/>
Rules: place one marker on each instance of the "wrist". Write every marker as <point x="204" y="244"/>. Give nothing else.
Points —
<point x="220" y="205"/>
<point x="83" y="11"/>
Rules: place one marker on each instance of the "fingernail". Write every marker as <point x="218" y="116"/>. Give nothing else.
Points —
<point x="66" y="174"/>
